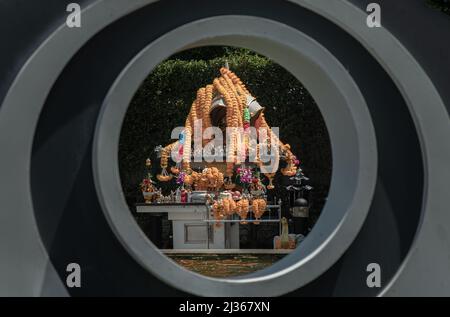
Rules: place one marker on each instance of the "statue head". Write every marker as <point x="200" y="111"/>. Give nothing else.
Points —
<point x="218" y="111"/>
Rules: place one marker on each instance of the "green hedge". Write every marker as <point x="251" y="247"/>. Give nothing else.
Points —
<point x="163" y="101"/>
<point x="443" y="5"/>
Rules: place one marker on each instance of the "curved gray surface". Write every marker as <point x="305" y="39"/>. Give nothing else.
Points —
<point x="26" y="271"/>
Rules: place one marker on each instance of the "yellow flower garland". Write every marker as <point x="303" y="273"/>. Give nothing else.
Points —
<point x="234" y="92"/>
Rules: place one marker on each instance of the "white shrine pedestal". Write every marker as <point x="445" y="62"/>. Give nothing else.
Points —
<point x="190" y="228"/>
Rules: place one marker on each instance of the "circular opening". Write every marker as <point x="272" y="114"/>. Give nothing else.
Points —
<point x="353" y="146"/>
<point x="430" y="122"/>
<point x="241" y="244"/>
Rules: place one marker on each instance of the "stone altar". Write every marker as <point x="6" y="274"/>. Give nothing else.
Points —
<point x="190" y="226"/>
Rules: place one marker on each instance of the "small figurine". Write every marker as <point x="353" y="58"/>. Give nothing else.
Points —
<point x="257" y="188"/>
<point x="148" y="185"/>
<point x="178" y="195"/>
<point x="285" y="240"/>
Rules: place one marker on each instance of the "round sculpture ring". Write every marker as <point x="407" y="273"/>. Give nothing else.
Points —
<point x="351" y="134"/>
<point x="38" y="75"/>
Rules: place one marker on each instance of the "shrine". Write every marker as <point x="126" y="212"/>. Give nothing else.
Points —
<point x="211" y="196"/>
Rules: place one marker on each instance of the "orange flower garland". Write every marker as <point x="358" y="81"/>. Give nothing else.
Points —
<point x="259" y="207"/>
<point x="230" y="87"/>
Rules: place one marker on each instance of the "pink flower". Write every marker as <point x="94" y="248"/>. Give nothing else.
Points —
<point x="180" y="178"/>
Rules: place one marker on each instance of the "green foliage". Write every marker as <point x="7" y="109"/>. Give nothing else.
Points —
<point x="443" y="5"/>
<point x="164" y="99"/>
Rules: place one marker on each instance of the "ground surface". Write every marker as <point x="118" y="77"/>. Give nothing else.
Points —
<point x="222" y="265"/>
